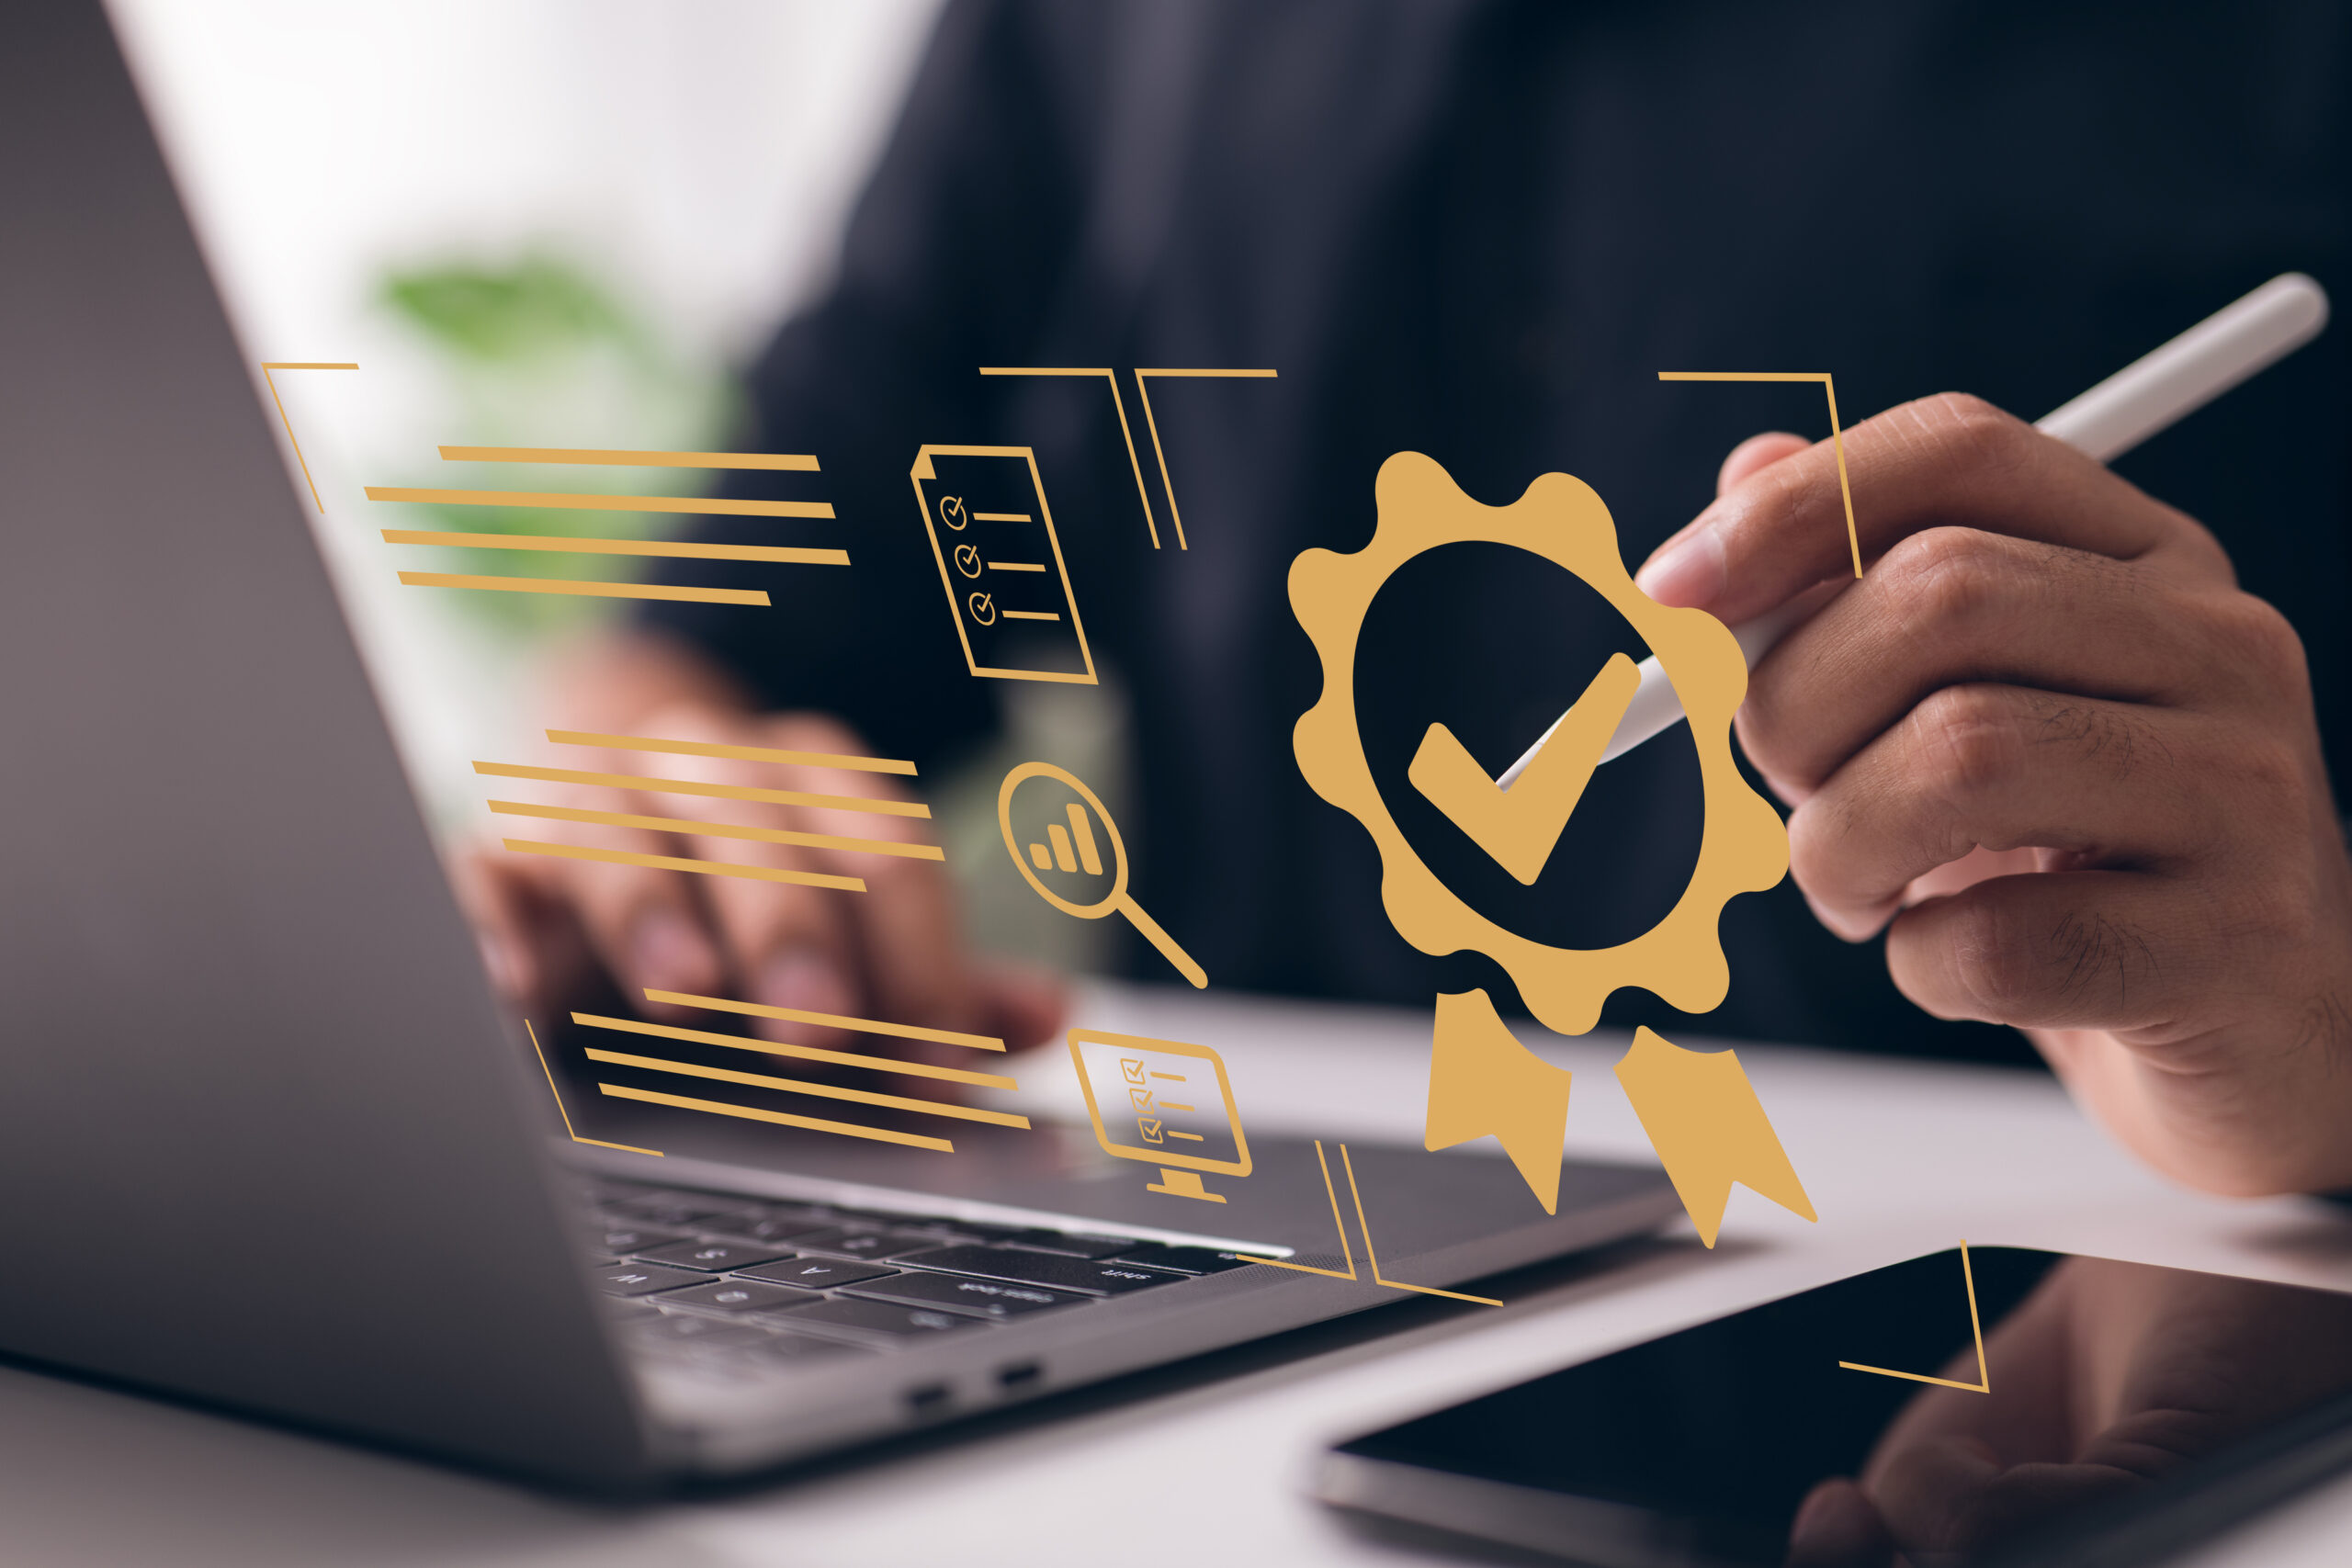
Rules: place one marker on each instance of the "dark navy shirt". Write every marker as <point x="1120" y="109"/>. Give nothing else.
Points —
<point x="1479" y="230"/>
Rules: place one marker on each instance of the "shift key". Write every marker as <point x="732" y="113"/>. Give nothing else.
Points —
<point x="1022" y="1267"/>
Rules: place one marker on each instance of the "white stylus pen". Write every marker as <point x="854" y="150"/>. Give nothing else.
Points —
<point x="2105" y="423"/>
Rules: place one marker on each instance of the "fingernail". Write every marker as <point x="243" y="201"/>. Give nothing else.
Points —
<point x="803" y="979"/>
<point x="669" y="954"/>
<point x="1688" y="573"/>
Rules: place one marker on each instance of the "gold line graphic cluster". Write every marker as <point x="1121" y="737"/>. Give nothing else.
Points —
<point x="648" y="784"/>
<point x="569" y="501"/>
<point x="839" y="843"/>
<point x="894" y="1065"/>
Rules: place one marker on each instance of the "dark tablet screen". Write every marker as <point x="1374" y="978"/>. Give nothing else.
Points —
<point x="2104" y="1382"/>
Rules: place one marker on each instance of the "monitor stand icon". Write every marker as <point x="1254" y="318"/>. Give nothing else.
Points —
<point x="1181" y="1184"/>
<point x="1164" y="1103"/>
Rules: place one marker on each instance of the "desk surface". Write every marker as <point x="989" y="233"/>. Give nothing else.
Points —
<point x="1206" y="1461"/>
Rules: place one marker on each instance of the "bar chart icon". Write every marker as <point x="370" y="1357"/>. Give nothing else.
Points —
<point x="1073" y="848"/>
<point x="1070" y="847"/>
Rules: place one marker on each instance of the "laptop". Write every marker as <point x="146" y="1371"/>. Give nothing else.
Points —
<point x="272" y="1144"/>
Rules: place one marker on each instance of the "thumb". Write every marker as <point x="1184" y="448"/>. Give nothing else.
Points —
<point x="1692" y="579"/>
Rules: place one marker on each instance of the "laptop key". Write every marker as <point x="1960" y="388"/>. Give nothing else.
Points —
<point x="1050" y="1269"/>
<point x="884" y="1318"/>
<point x="817" y="1273"/>
<point x="1090" y="1246"/>
<point x="712" y="1257"/>
<point x="1183" y="1260"/>
<point x="732" y="1295"/>
<point x="976" y="1298"/>
<point x="775" y="1225"/>
<point x="865" y="1244"/>
<point x="883" y="1218"/>
<point x="619" y="1240"/>
<point x="644" y="1279"/>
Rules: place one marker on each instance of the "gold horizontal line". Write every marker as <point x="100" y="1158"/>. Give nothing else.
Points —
<point x="1031" y="615"/>
<point x="797" y="462"/>
<point x="1001" y="517"/>
<point x="1045" y="370"/>
<point x="1743" y="375"/>
<point x="306" y="365"/>
<point x="780" y="1118"/>
<point x="1254" y="374"/>
<point x="719" y="829"/>
<point x="586" y="590"/>
<point x="808" y="1053"/>
<point x="1016" y="566"/>
<point x="571" y="501"/>
<point x="823" y="1090"/>
<point x="869" y="805"/>
<point x="678" y="863"/>
<point x="831" y="1019"/>
<point x="684" y="549"/>
<point x="740" y="753"/>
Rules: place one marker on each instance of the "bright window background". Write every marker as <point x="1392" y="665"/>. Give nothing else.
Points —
<point x="692" y="165"/>
<point x="674" y="174"/>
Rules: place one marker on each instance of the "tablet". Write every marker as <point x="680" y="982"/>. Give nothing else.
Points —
<point x="1987" y="1405"/>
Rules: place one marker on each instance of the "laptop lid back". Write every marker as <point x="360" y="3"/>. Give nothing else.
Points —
<point x="259" y="1141"/>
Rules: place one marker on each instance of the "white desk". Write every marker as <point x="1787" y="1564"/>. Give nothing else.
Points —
<point x="1203" y="1464"/>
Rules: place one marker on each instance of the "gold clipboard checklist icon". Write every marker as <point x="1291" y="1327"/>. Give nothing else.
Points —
<point x="1000" y="562"/>
<point x="1165" y="1103"/>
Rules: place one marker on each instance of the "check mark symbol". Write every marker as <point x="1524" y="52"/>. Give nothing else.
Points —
<point x="1520" y="828"/>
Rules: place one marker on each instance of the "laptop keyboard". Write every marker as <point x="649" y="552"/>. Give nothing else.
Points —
<point x="736" y="1284"/>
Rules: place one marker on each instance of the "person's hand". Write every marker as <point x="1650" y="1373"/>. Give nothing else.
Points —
<point x="551" y="926"/>
<point x="2072" y="770"/>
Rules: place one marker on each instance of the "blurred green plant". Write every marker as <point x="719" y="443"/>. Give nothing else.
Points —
<point x="537" y="352"/>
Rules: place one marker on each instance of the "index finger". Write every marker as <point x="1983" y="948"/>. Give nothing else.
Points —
<point x="1951" y="459"/>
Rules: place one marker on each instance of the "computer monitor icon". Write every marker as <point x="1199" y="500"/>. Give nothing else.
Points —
<point x="1165" y="1103"/>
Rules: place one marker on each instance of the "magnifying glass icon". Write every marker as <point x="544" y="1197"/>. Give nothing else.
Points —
<point x="1071" y="849"/>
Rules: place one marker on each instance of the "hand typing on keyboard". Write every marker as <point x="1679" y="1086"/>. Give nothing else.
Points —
<point x="552" y="926"/>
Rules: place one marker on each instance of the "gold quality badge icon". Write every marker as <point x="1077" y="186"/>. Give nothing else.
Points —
<point x="1701" y="1114"/>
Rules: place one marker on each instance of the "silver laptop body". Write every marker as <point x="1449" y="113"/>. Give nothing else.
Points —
<point x="266" y="1140"/>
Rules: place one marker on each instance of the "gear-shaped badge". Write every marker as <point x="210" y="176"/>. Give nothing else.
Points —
<point x="1697" y="1107"/>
